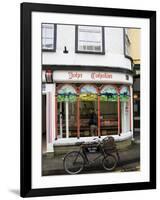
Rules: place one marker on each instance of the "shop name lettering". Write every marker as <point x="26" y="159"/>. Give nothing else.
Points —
<point x="75" y="75"/>
<point x="93" y="75"/>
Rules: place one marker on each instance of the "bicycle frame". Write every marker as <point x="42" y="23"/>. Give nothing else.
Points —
<point x="100" y="153"/>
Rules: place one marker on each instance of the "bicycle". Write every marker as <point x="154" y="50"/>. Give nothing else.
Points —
<point x="75" y="161"/>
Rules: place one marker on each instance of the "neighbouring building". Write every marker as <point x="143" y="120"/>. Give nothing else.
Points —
<point x="133" y="46"/>
<point x="84" y="69"/>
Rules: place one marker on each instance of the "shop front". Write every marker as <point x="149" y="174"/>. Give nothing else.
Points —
<point x="82" y="105"/>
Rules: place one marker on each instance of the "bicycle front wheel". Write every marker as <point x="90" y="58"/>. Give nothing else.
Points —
<point x="73" y="162"/>
<point x="109" y="162"/>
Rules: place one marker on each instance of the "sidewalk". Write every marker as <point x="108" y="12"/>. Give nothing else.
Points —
<point x="54" y="165"/>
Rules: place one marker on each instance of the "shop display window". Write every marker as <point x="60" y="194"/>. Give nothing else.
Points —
<point x="77" y="105"/>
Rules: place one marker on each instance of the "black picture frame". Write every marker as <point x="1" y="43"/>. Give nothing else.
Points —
<point x="26" y="105"/>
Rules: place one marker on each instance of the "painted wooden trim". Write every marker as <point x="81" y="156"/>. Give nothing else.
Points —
<point x="60" y="120"/>
<point x="119" y="116"/>
<point x="87" y="68"/>
<point x="99" y="120"/>
<point x="131" y="108"/>
<point x="78" y="117"/>
<point x="56" y="130"/>
<point x="130" y="117"/>
<point x="50" y="117"/>
<point x="67" y="119"/>
<point x="47" y="117"/>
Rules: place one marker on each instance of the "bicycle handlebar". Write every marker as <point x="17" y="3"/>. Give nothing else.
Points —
<point x="79" y="143"/>
<point x="97" y="140"/>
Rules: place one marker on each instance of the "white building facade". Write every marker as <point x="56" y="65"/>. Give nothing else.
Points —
<point x="84" y="69"/>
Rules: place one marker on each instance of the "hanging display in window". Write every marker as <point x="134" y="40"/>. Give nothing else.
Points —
<point x="108" y="93"/>
<point x="67" y="93"/>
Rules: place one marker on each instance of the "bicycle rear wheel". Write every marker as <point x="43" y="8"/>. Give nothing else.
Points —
<point x="73" y="162"/>
<point x="109" y="162"/>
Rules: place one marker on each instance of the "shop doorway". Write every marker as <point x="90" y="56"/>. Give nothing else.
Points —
<point x="44" y="140"/>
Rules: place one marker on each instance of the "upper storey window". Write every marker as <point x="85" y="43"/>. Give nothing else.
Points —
<point x="90" y="39"/>
<point x="48" y="37"/>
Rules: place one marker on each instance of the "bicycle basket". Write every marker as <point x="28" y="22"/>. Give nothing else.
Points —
<point x="109" y="144"/>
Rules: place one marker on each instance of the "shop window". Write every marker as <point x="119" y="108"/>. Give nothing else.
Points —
<point x="67" y="93"/>
<point x="124" y="94"/>
<point x="48" y="37"/>
<point x="67" y="121"/>
<point x="108" y="93"/>
<point x="125" y="109"/>
<point x="90" y="39"/>
<point x="108" y="110"/>
<point x="88" y="109"/>
<point x="88" y="93"/>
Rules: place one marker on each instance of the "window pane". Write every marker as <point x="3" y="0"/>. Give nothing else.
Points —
<point x="47" y="43"/>
<point x="72" y="119"/>
<point x="109" y="118"/>
<point x="88" y="118"/>
<point x="49" y="32"/>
